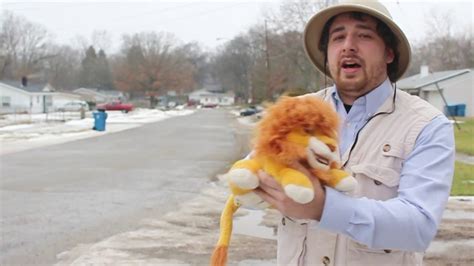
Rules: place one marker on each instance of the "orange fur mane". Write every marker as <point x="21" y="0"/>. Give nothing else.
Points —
<point x="307" y="113"/>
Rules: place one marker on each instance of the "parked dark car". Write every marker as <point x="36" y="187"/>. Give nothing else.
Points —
<point x="249" y="111"/>
<point x="116" y="106"/>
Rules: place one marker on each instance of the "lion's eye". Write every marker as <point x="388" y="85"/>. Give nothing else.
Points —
<point x="308" y="131"/>
<point x="331" y="147"/>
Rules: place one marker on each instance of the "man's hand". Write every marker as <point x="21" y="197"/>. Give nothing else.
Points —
<point x="272" y="192"/>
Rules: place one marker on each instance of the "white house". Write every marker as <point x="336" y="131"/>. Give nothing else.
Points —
<point x="456" y="86"/>
<point x="17" y="98"/>
<point x="206" y="97"/>
<point x="24" y="97"/>
<point x="99" y="96"/>
<point x="62" y="98"/>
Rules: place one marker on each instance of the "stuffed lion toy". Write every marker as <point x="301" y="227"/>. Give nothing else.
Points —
<point x="295" y="130"/>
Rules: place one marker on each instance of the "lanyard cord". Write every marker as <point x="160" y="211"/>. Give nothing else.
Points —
<point x="368" y="120"/>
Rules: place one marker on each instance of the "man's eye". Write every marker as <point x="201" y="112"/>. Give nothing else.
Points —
<point x="337" y="37"/>
<point x="365" y="36"/>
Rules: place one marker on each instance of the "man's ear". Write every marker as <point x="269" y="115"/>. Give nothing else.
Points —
<point x="389" y="55"/>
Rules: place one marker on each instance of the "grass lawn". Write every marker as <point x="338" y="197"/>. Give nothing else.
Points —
<point x="463" y="183"/>
<point x="465" y="136"/>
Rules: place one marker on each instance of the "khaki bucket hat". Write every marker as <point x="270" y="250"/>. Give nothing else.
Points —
<point x="314" y="28"/>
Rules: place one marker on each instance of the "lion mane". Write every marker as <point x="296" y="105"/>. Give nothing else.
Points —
<point x="308" y="113"/>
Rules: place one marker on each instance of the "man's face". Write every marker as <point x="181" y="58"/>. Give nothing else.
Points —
<point x="357" y="56"/>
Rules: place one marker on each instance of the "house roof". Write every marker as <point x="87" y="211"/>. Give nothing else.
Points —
<point x="32" y="87"/>
<point x="419" y="82"/>
<point x="206" y="92"/>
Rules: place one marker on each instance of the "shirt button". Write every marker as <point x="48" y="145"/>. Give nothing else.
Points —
<point x="378" y="183"/>
<point x="283" y="221"/>
<point x="326" y="260"/>
<point x="386" y="147"/>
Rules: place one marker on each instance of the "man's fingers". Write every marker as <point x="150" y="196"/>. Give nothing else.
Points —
<point x="267" y="182"/>
<point x="298" y="166"/>
<point x="266" y="196"/>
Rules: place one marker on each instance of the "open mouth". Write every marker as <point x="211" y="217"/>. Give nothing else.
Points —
<point x="350" y="65"/>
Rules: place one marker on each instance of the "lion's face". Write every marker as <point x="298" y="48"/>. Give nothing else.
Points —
<point x="300" y="129"/>
<point x="320" y="151"/>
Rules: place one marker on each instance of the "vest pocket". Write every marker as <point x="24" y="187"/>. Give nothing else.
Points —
<point x="360" y="254"/>
<point x="291" y="241"/>
<point x="375" y="182"/>
<point x="393" y="154"/>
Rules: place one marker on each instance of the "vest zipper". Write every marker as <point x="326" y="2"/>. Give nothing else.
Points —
<point x="303" y="253"/>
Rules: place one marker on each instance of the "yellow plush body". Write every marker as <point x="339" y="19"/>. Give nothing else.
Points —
<point x="300" y="130"/>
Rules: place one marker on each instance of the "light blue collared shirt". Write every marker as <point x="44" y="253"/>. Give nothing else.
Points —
<point x="409" y="221"/>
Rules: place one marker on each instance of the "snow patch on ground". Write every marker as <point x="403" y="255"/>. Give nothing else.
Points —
<point x="26" y="131"/>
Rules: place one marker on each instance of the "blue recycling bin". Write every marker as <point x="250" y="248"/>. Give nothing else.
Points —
<point x="450" y="110"/>
<point x="455" y="110"/>
<point x="99" y="120"/>
<point x="461" y="110"/>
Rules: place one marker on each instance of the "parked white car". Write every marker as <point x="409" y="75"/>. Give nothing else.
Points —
<point x="74" y="106"/>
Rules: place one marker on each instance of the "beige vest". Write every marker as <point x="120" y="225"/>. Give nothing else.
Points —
<point x="376" y="163"/>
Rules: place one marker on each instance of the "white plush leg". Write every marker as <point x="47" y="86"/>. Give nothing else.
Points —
<point x="299" y="194"/>
<point x="251" y="200"/>
<point x="347" y="184"/>
<point x="243" y="178"/>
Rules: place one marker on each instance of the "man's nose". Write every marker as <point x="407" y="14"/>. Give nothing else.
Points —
<point x="349" y="44"/>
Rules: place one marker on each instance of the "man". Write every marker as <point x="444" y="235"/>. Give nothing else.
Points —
<point x="398" y="147"/>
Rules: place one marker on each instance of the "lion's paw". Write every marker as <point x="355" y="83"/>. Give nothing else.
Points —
<point x="251" y="200"/>
<point x="243" y="178"/>
<point x="346" y="184"/>
<point x="299" y="194"/>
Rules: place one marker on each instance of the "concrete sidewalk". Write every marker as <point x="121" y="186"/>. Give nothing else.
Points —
<point x="464" y="158"/>
<point x="187" y="237"/>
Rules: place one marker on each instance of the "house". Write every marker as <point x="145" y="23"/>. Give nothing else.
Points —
<point x="28" y="97"/>
<point x="207" y="97"/>
<point x="99" y="96"/>
<point x="21" y="97"/>
<point x="455" y="86"/>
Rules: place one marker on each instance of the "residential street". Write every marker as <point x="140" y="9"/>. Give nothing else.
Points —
<point x="150" y="195"/>
<point x="57" y="197"/>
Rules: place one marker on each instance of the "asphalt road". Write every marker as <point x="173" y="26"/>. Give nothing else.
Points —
<point x="54" y="198"/>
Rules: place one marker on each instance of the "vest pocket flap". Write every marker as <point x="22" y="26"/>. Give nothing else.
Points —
<point x="387" y="176"/>
<point x="392" y="149"/>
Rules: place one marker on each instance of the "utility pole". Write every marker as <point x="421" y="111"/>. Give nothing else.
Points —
<point x="269" y="89"/>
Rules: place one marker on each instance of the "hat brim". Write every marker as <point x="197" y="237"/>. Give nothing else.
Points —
<point x="314" y="28"/>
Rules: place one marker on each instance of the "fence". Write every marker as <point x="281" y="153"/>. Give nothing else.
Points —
<point x="23" y="116"/>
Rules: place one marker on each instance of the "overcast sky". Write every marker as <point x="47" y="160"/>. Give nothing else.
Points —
<point x="208" y="22"/>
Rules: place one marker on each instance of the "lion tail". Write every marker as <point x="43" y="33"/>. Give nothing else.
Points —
<point x="219" y="256"/>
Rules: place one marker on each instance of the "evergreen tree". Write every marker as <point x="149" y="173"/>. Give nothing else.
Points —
<point x="103" y="74"/>
<point x="88" y="75"/>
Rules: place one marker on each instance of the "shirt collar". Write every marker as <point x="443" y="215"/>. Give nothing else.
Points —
<point x="372" y="100"/>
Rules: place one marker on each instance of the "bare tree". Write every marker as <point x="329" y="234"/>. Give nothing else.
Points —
<point x="101" y="39"/>
<point x="25" y="46"/>
<point x="62" y="70"/>
<point x="443" y="49"/>
<point x="153" y="63"/>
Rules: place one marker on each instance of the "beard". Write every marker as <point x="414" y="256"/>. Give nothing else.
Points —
<point x="362" y="81"/>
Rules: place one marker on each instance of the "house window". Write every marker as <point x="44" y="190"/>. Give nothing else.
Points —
<point x="6" y="101"/>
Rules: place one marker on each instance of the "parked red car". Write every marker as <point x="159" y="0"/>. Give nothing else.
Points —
<point x="116" y="106"/>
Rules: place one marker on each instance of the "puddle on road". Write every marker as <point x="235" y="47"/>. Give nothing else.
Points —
<point x="250" y="225"/>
